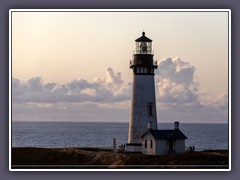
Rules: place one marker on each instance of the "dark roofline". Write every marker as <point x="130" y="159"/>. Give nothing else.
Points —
<point x="133" y="144"/>
<point x="165" y="134"/>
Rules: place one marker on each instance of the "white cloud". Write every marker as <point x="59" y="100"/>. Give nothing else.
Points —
<point x="89" y="91"/>
<point x="108" y="98"/>
<point x="179" y="97"/>
<point x="109" y="89"/>
<point x="176" y="70"/>
<point x="175" y="82"/>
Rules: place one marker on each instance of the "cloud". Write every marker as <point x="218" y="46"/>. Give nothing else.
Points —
<point x="108" y="89"/>
<point x="213" y="99"/>
<point x="178" y="94"/>
<point x="85" y="111"/>
<point x="175" y="82"/>
<point x="176" y="71"/>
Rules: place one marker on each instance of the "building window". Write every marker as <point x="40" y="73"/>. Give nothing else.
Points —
<point x="151" y="144"/>
<point x="145" y="143"/>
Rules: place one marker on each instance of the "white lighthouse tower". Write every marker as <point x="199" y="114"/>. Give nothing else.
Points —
<point x="143" y="110"/>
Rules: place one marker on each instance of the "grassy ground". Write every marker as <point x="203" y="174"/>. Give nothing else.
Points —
<point x="100" y="158"/>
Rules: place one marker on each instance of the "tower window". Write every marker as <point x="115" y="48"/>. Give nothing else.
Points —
<point x="145" y="143"/>
<point x="151" y="143"/>
<point x="150" y="109"/>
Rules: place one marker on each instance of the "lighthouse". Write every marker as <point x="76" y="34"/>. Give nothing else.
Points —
<point x="143" y="106"/>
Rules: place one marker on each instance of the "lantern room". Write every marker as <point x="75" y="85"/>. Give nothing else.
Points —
<point x="143" y="63"/>
<point x="143" y="45"/>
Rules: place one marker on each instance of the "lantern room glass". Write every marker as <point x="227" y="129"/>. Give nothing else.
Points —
<point x="143" y="48"/>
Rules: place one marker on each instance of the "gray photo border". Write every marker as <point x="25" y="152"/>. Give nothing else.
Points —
<point x="5" y="5"/>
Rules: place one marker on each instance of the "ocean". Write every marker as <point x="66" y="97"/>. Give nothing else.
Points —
<point x="101" y="134"/>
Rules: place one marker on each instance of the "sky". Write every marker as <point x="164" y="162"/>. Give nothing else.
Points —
<point x="74" y="66"/>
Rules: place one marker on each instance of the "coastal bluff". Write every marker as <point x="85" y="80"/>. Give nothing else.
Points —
<point x="92" y="158"/>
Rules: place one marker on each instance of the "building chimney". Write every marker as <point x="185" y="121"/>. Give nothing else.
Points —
<point x="176" y="124"/>
<point x="149" y="124"/>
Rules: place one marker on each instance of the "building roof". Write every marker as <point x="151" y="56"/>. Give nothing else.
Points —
<point x="166" y="134"/>
<point x="143" y="38"/>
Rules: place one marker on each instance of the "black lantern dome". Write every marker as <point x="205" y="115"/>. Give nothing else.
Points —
<point x="143" y="38"/>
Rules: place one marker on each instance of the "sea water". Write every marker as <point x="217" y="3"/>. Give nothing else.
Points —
<point x="101" y="134"/>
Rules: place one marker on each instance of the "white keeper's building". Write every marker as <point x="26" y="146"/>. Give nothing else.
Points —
<point x="163" y="141"/>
